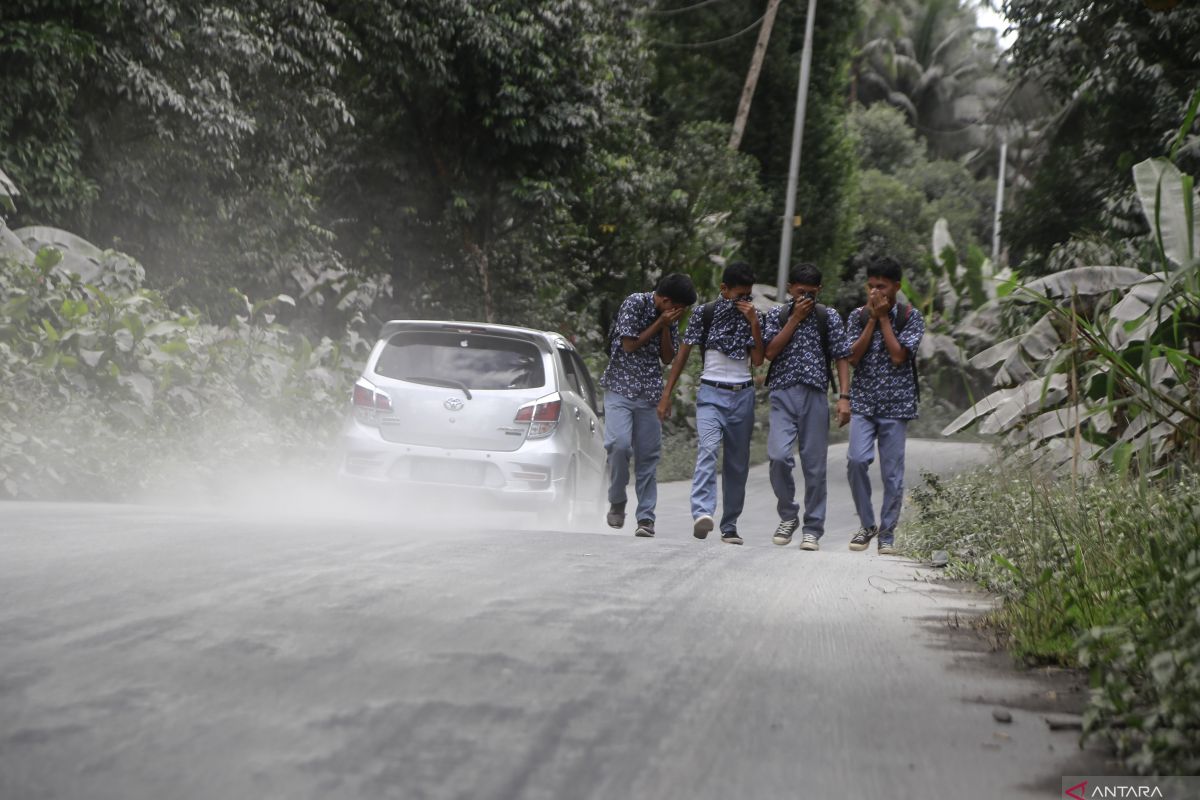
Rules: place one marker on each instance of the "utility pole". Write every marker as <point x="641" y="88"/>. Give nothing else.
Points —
<point x="756" y="62"/>
<point x="789" y="214"/>
<point x="999" y="198"/>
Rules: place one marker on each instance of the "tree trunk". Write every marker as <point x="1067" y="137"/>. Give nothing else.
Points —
<point x="478" y="258"/>
<point x="756" y="62"/>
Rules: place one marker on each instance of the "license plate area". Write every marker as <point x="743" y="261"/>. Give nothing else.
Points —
<point x="443" y="471"/>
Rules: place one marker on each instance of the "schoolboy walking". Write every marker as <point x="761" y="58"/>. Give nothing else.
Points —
<point x="728" y="332"/>
<point x="883" y="338"/>
<point x="803" y="338"/>
<point x="645" y="336"/>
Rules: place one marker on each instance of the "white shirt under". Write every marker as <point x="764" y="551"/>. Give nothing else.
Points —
<point x="723" y="369"/>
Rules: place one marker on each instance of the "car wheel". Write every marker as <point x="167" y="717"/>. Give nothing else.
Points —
<point x="564" y="514"/>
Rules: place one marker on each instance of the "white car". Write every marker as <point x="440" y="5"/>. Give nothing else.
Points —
<point x="479" y="413"/>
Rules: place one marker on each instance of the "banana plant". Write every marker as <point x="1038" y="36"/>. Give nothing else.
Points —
<point x="8" y="191"/>
<point x="1109" y="369"/>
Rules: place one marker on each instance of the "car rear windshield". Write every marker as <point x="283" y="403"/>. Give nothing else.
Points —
<point x="477" y="361"/>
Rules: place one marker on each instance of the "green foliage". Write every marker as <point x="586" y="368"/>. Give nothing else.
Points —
<point x="1110" y="367"/>
<point x="475" y="127"/>
<point x="930" y="61"/>
<point x="106" y="390"/>
<point x="1122" y="75"/>
<point x="682" y="208"/>
<point x="884" y="140"/>
<point x="902" y="195"/>
<point x="705" y="83"/>
<point x="888" y="207"/>
<point x="187" y="133"/>
<point x="1105" y="576"/>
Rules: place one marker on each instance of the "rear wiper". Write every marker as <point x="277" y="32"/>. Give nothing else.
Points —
<point x="449" y="384"/>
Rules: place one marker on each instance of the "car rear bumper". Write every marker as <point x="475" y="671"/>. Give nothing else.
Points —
<point x="529" y="478"/>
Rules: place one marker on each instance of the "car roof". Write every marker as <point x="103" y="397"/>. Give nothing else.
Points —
<point x="395" y="326"/>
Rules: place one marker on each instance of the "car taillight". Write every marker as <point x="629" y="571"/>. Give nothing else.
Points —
<point x="542" y="415"/>
<point x="369" y="401"/>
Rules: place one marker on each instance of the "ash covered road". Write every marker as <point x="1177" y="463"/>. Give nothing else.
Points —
<point x="297" y="653"/>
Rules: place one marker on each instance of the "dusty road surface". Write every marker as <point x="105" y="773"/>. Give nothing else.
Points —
<point x="297" y="652"/>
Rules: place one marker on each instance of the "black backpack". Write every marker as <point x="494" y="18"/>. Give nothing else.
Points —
<point x="823" y="329"/>
<point x="903" y="311"/>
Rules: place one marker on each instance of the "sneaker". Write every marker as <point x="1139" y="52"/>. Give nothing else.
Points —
<point x="702" y="525"/>
<point x="731" y="537"/>
<point x="645" y="529"/>
<point x="616" y="515"/>
<point x="810" y="542"/>
<point x="783" y="534"/>
<point x="886" y="544"/>
<point x="862" y="539"/>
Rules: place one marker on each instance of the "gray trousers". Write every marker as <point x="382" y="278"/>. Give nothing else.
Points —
<point x="632" y="430"/>
<point x="889" y="433"/>
<point x="723" y="418"/>
<point x="799" y="414"/>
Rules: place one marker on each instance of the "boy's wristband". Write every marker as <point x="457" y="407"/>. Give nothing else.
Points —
<point x="843" y="397"/>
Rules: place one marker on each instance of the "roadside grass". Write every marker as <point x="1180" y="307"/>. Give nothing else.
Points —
<point x="1101" y="574"/>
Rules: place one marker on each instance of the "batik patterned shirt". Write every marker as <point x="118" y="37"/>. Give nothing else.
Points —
<point x="880" y="388"/>
<point x="637" y="375"/>
<point x="801" y="360"/>
<point x="729" y="332"/>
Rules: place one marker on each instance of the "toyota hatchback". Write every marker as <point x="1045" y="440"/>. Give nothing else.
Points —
<point x="479" y="413"/>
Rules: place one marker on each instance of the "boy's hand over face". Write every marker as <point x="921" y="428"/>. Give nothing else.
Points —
<point x="802" y="308"/>
<point x="671" y="315"/>
<point x="878" y="305"/>
<point x="745" y="308"/>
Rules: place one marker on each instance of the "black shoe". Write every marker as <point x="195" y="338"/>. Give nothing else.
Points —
<point x="731" y="537"/>
<point x="886" y="543"/>
<point x="863" y="538"/>
<point x="616" y="515"/>
<point x="783" y="534"/>
<point x="645" y="529"/>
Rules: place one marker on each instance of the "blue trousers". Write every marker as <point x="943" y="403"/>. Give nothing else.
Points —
<point x="632" y="430"/>
<point x="723" y="417"/>
<point x="865" y="432"/>
<point x="799" y="414"/>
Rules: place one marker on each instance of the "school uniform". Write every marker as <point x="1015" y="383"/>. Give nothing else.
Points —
<point x="633" y="383"/>
<point x="799" y="384"/>
<point x="883" y="398"/>
<point x="724" y="412"/>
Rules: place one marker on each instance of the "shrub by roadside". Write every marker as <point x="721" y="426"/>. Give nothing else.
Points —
<point x="1104" y="575"/>
<point x="106" y="391"/>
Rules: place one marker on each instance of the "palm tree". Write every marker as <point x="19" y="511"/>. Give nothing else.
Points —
<point x="932" y="61"/>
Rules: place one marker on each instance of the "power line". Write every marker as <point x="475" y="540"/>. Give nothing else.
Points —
<point x="668" y="12"/>
<point x="694" y="45"/>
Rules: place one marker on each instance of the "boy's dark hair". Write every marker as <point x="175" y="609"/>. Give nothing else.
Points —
<point x="738" y="274"/>
<point x="885" y="267"/>
<point x="805" y="273"/>
<point x="678" y="288"/>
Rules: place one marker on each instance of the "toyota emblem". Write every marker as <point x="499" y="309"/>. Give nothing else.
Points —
<point x="453" y="404"/>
